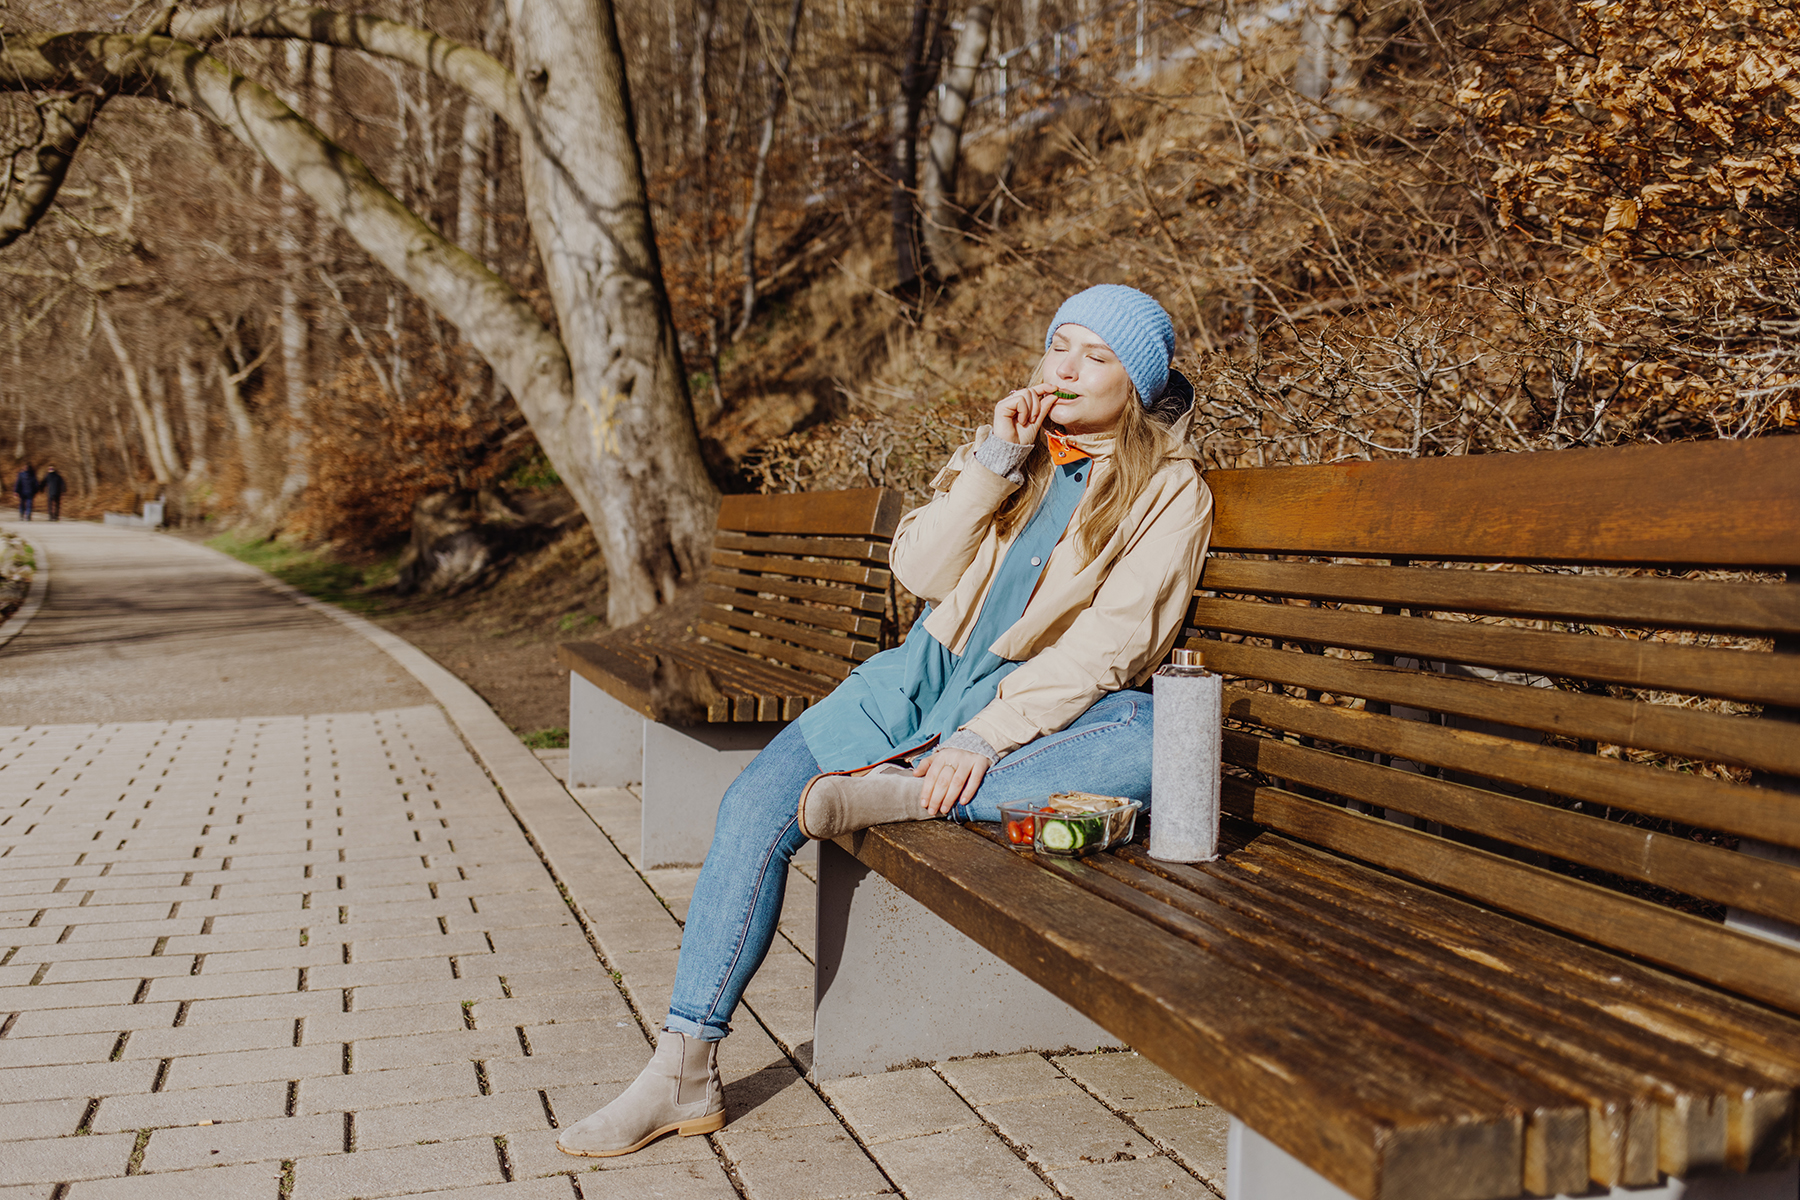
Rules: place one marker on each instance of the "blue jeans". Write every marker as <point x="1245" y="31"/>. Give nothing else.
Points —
<point x="737" y="901"/>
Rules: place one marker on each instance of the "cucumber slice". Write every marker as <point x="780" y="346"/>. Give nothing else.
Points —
<point x="1062" y="395"/>
<point x="1072" y="836"/>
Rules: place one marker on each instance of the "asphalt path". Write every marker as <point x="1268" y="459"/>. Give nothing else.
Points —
<point x="138" y="626"/>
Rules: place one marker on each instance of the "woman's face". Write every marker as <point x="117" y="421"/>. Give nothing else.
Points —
<point x="1079" y="362"/>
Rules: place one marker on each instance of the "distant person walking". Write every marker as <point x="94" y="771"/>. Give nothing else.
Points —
<point x="51" y="487"/>
<point x="25" y="486"/>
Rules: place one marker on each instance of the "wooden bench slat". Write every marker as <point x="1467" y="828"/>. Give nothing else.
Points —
<point x="854" y="650"/>
<point x="1708" y="803"/>
<point x="1665" y="728"/>
<point x="793" y="656"/>
<point x="1542" y="961"/>
<point x="774" y="688"/>
<point x="833" y="570"/>
<point x="1623" y="1094"/>
<point x="864" y="551"/>
<point x="860" y="512"/>
<point x="1656" y="1101"/>
<point x="1452" y="939"/>
<point x="1734" y="674"/>
<point x="1766" y="608"/>
<point x="1748" y="965"/>
<point x="1709" y="872"/>
<point x="818" y="593"/>
<point x="824" y="618"/>
<point x="1724" y="503"/>
<point x="1556" y="1121"/>
<point x="1392" y="1126"/>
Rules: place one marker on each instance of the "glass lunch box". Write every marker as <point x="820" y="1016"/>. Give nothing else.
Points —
<point x="1069" y="823"/>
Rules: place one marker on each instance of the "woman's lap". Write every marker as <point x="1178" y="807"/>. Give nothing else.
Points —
<point x="737" y="900"/>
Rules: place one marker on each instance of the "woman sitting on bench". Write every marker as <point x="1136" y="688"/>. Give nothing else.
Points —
<point x="1058" y="555"/>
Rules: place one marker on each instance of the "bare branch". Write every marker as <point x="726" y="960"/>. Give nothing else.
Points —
<point x="65" y="123"/>
<point x="475" y="71"/>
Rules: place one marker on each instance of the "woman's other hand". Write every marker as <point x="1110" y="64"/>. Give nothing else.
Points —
<point x="1020" y="415"/>
<point x="951" y="777"/>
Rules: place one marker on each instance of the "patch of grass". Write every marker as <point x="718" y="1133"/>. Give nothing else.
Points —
<point x="534" y="472"/>
<point x="341" y="583"/>
<point x="570" y="622"/>
<point x="554" y="738"/>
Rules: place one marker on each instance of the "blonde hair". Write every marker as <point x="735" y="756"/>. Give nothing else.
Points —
<point x="1141" y="444"/>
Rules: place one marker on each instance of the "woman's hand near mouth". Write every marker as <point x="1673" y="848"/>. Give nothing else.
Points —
<point x="1021" y="414"/>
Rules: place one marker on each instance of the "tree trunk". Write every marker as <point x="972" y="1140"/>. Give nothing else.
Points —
<point x="134" y="392"/>
<point x="157" y="394"/>
<point x="64" y="122"/>
<point x="937" y="193"/>
<point x="760" y="176"/>
<point x="915" y="81"/>
<point x="627" y="443"/>
<point x="193" y="405"/>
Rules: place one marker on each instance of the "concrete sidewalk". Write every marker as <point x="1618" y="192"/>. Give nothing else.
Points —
<point x="285" y="916"/>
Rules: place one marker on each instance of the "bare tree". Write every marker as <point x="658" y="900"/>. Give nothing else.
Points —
<point x="937" y="193"/>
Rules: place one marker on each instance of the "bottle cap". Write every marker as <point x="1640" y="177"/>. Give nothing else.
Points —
<point x="1180" y="657"/>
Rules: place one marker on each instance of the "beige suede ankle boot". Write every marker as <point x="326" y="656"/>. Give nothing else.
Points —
<point x="679" y="1092"/>
<point x="832" y="805"/>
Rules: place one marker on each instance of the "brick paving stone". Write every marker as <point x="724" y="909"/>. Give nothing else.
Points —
<point x="417" y="1050"/>
<point x="258" y="1181"/>
<point x="555" y="1187"/>
<point x="1138" y="1179"/>
<point x="900" y="1104"/>
<point x="1195" y="1136"/>
<point x="585" y="1037"/>
<point x="211" y="1039"/>
<point x="52" y="1051"/>
<point x="1065" y="1130"/>
<point x="29" y="1191"/>
<point x="383" y="1023"/>
<point x="238" y="1102"/>
<point x="698" y="1179"/>
<point x="617" y="1067"/>
<point x="253" y="1066"/>
<point x="407" y="995"/>
<point x="516" y="1115"/>
<point x="404" y="1085"/>
<point x="405" y="971"/>
<point x="764" y="1101"/>
<point x="320" y="951"/>
<point x="59" y="1160"/>
<point x="983" y="1081"/>
<point x="134" y="969"/>
<point x="232" y="1010"/>
<point x="95" y="994"/>
<point x="228" y="985"/>
<point x="187" y="1147"/>
<point x="594" y="1005"/>
<point x="79" y="1080"/>
<point x="42" y="1118"/>
<point x="72" y="951"/>
<point x="814" y="1162"/>
<point x="434" y="945"/>
<point x="397" y="1171"/>
<point x="788" y="1013"/>
<point x="962" y="1164"/>
<point x="1128" y="1081"/>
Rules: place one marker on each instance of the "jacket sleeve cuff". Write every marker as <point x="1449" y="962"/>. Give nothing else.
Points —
<point x="1003" y="458"/>
<point x="965" y="739"/>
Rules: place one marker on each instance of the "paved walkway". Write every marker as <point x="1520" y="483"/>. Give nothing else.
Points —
<point x="286" y="916"/>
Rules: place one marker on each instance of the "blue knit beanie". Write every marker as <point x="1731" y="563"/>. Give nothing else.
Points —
<point x="1134" y="327"/>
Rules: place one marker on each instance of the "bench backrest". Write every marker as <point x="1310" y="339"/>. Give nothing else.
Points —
<point x="1534" y="681"/>
<point x="802" y="579"/>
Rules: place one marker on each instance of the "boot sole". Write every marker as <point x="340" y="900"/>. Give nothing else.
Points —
<point x="694" y="1128"/>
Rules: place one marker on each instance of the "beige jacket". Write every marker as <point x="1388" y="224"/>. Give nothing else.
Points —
<point x="1090" y="628"/>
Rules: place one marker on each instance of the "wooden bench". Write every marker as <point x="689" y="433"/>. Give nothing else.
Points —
<point x="797" y="594"/>
<point x="1488" y="922"/>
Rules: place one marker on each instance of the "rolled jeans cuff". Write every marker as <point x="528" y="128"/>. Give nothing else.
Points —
<point x="693" y="1029"/>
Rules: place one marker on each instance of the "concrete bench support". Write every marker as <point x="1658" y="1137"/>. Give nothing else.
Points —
<point x="606" y="738"/>
<point x="895" y="984"/>
<point x="1258" y="1169"/>
<point x="686" y="772"/>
